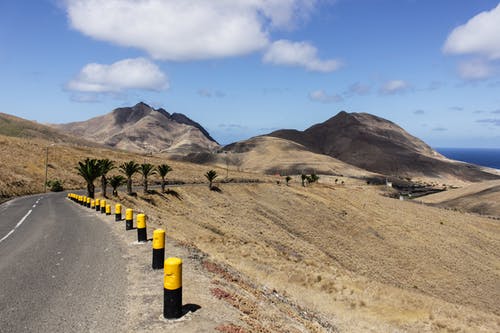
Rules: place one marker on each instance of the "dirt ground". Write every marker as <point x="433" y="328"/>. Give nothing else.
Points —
<point x="338" y="258"/>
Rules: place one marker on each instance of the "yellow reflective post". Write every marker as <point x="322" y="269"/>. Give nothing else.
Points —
<point x="129" y="219"/>
<point x="97" y="205"/>
<point x="92" y="204"/>
<point x="141" y="228"/>
<point x="158" y="248"/>
<point x="88" y="202"/>
<point x="172" y="288"/>
<point x="108" y="209"/>
<point x="118" y="212"/>
<point x="103" y="206"/>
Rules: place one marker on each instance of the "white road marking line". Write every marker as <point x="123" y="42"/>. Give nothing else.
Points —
<point x="5" y="237"/>
<point x="17" y="225"/>
<point x="34" y="206"/>
<point x="24" y="218"/>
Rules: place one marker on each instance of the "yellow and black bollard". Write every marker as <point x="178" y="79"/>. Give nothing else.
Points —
<point x="103" y="206"/>
<point x="108" y="209"/>
<point x="97" y="205"/>
<point x="92" y="204"/>
<point x="88" y="203"/>
<point x="141" y="228"/>
<point x="118" y="212"/>
<point x="172" y="288"/>
<point x="158" y="248"/>
<point x="129" y="219"/>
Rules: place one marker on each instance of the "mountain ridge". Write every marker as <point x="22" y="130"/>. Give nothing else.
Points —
<point x="381" y="146"/>
<point x="141" y="128"/>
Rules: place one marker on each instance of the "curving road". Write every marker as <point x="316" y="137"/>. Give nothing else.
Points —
<point x="60" y="269"/>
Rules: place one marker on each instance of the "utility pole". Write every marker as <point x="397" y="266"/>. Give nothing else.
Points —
<point x="46" y="167"/>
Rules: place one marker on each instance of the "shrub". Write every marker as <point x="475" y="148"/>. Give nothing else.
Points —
<point x="55" y="185"/>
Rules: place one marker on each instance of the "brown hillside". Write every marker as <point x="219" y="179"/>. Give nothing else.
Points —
<point x="380" y="146"/>
<point x="23" y="172"/>
<point x="359" y="261"/>
<point x="144" y="129"/>
<point x="273" y="155"/>
<point x="21" y="128"/>
<point x="481" y="198"/>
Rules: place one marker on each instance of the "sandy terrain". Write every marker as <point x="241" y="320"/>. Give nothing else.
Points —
<point x="481" y="198"/>
<point x="351" y="258"/>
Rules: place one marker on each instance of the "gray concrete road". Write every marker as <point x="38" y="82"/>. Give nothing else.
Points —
<point x="60" y="268"/>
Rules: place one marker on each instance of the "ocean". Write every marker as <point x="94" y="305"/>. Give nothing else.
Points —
<point x="488" y="157"/>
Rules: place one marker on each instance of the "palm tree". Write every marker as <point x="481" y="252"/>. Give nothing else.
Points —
<point x="129" y="169"/>
<point x="303" y="177"/>
<point x="211" y="175"/>
<point x="106" y="166"/>
<point x="146" y="169"/>
<point x="90" y="171"/>
<point x="163" y="169"/>
<point x="115" y="182"/>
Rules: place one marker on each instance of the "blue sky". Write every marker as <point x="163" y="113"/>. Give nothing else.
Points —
<point x="244" y="68"/>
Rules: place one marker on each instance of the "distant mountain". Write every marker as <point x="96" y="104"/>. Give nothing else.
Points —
<point x="144" y="129"/>
<point x="271" y="155"/>
<point x="21" y="128"/>
<point x="378" y="145"/>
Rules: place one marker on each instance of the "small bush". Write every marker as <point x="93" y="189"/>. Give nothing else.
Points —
<point x="55" y="185"/>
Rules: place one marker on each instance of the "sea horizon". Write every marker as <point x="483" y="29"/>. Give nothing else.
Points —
<point x="487" y="157"/>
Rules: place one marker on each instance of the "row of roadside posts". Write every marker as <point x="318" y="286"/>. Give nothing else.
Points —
<point x="172" y="267"/>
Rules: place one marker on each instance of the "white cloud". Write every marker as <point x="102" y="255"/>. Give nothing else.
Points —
<point x="300" y="54"/>
<point x="475" y="70"/>
<point x="322" y="97"/>
<point x="186" y="30"/>
<point x="126" y="74"/>
<point x="395" y="87"/>
<point x="480" y="36"/>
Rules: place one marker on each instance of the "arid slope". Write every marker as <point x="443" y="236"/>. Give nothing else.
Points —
<point x="365" y="261"/>
<point x="378" y="145"/>
<point x="271" y="155"/>
<point x="143" y="129"/>
<point x="482" y="198"/>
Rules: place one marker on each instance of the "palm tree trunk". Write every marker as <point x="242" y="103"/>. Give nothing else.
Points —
<point x="90" y="190"/>
<point x="103" y="186"/>
<point x="129" y="185"/>
<point x="145" y="185"/>
<point x="163" y="183"/>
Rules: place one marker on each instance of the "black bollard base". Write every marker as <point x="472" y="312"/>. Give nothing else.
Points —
<point x="97" y="208"/>
<point x="103" y="210"/>
<point x="129" y="225"/>
<point x="118" y="217"/>
<point x="172" y="303"/>
<point x="141" y="235"/>
<point x="158" y="258"/>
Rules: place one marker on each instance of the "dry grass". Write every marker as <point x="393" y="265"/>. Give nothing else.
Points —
<point x="363" y="261"/>
<point x="22" y="166"/>
<point x="327" y="256"/>
<point x="482" y="198"/>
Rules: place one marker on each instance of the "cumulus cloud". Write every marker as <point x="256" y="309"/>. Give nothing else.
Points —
<point x="475" y="70"/>
<point x="138" y="73"/>
<point x="479" y="36"/>
<point x="299" y="54"/>
<point x="394" y="87"/>
<point x="322" y="97"/>
<point x="186" y="30"/>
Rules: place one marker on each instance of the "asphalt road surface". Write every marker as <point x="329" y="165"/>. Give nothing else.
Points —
<point x="60" y="269"/>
